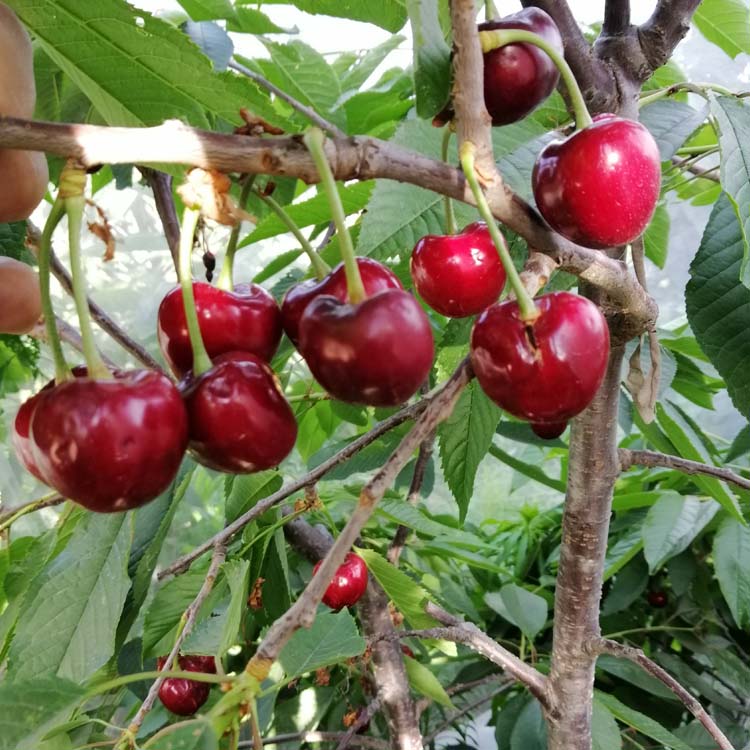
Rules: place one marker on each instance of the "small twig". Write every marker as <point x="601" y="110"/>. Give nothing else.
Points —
<point x="67" y="334"/>
<point x="362" y="719"/>
<point x="161" y="186"/>
<point x="191" y="613"/>
<point x="370" y="743"/>
<point x="9" y="517"/>
<point x="537" y="271"/>
<point x="636" y="655"/>
<point x="303" y="109"/>
<point x="712" y="173"/>
<point x="652" y="459"/>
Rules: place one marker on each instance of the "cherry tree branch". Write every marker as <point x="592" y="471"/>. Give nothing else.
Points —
<point x="10" y="516"/>
<point x="161" y="186"/>
<point x="301" y="738"/>
<point x="652" y="459"/>
<point x="664" y="30"/>
<point x="636" y="655"/>
<point x="616" y="17"/>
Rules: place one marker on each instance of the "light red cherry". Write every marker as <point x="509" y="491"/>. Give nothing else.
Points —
<point x="348" y="584"/>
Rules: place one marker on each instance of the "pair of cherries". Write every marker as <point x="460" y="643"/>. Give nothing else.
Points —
<point x="182" y="696"/>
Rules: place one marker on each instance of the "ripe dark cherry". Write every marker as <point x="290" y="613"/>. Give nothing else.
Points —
<point x="657" y="599"/>
<point x="458" y="275"/>
<point x="348" y="584"/>
<point x="407" y="651"/>
<point x="599" y="187"/>
<point x="377" y="352"/>
<point x="185" y="697"/>
<point x="247" y="319"/>
<point x="375" y="277"/>
<point x="549" y="430"/>
<point x="548" y="372"/>
<point x="519" y="77"/>
<point x="240" y="421"/>
<point x="110" y="445"/>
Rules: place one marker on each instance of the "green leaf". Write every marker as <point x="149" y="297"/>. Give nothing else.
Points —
<point x="18" y="362"/>
<point x="423" y="681"/>
<point x="656" y="237"/>
<point x="12" y="238"/>
<point x="718" y="304"/>
<point x="532" y="472"/>
<point x="68" y="621"/>
<point x="635" y="675"/>
<point x="31" y="708"/>
<point x="525" y="610"/>
<point x="236" y="574"/>
<point x="726" y="23"/>
<point x="671" y="123"/>
<point x="605" y="734"/>
<point x="197" y="734"/>
<point x="356" y="75"/>
<point x="629" y="584"/>
<point x="740" y="445"/>
<point x="530" y="731"/>
<point x="732" y="565"/>
<point x="332" y="638"/>
<point x="315" y="428"/>
<point x="207" y="10"/>
<point x="464" y="439"/>
<point x="253" y="21"/>
<point x="245" y="490"/>
<point x="671" y="525"/>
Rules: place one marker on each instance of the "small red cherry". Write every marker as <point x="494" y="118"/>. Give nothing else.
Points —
<point x="458" y="275"/>
<point x="407" y="651"/>
<point x="599" y="187"/>
<point x="246" y="319"/>
<point x="185" y="697"/>
<point x="548" y="430"/>
<point x="657" y="599"/>
<point x="348" y="584"/>
<point x="546" y="372"/>
<point x="240" y="421"/>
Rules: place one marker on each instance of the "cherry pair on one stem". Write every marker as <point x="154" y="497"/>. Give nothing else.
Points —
<point x="182" y="696"/>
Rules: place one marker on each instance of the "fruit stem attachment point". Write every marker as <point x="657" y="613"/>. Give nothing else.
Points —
<point x="320" y="267"/>
<point x="62" y="371"/>
<point x="501" y="37"/>
<point x="528" y="309"/>
<point x="315" y="140"/>
<point x="226" y="275"/>
<point x="72" y="184"/>
<point x="450" y="216"/>
<point x="201" y="360"/>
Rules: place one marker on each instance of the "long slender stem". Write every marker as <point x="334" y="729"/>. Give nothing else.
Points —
<point x="226" y="275"/>
<point x="46" y="501"/>
<point x="201" y="360"/>
<point x="525" y="302"/>
<point x="499" y="38"/>
<point x="62" y="371"/>
<point x="450" y="216"/>
<point x="490" y="11"/>
<point x="314" y="141"/>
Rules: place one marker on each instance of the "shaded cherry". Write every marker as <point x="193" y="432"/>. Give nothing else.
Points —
<point x="110" y="445"/>
<point x="185" y="697"/>
<point x="458" y="275"/>
<point x="240" y="421"/>
<point x="600" y="186"/>
<point x="246" y="319"/>
<point x="657" y="599"/>
<point x="377" y="352"/>
<point x="407" y="651"/>
<point x="375" y="278"/>
<point x="348" y="584"/>
<point x="548" y="430"/>
<point x="546" y="372"/>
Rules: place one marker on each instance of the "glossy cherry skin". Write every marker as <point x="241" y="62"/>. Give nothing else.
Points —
<point x="247" y="319"/>
<point x="377" y="352"/>
<point x="657" y="599"/>
<point x="185" y="697"/>
<point x="375" y="278"/>
<point x="110" y="445"/>
<point x="348" y="584"/>
<point x="240" y="421"/>
<point x="458" y="275"/>
<point x="548" y="430"/>
<point x="519" y="77"/>
<point x="550" y="372"/>
<point x="599" y="187"/>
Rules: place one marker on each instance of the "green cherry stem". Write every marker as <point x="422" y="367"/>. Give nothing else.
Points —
<point x="528" y="309"/>
<point x="201" y="360"/>
<point x="62" y="371"/>
<point x="226" y="275"/>
<point x="320" y="267"/>
<point x="490" y="11"/>
<point x="500" y="37"/>
<point x="72" y="183"/>
<point x="450" y="216"/>
<point x="314" y="140"/>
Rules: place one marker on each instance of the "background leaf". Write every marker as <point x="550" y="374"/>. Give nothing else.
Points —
<point x="432" y="63"/>
<point x="525" y="610"/>
<point x="732" y="564"/>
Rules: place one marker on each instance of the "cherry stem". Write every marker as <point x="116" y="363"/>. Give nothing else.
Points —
<point x="490" y="11"/>
<point x="315" y="140"/>
<point x="320" y="267"/>
<point x="72" y="184"/>
<point x="528" y="309"/>
<point x="450" y="216"/>
<point x="201" y="360"/>
<point x="226" y="275"/>
<point x="62" y="371"/>
<point x="501" y="37"/>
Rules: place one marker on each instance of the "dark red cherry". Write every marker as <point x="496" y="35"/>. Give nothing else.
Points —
<point x="458" y="275"/>
<point x="546" y="372"/>
<point x="110" y="445"/>
<point x="407" y="651"/>
<point x="185" y="697"/>
<point x="519" y="77"/>
<point x="599" y="187"/>
<point x="548" y="430"/>
<point x="377" y="352"/>
<point x="375" y="277"/>
<point x="657" y="599"/>
<point x="240" y="421"/>
<point x="348" y="584"/>
<point x="247" y="319"/>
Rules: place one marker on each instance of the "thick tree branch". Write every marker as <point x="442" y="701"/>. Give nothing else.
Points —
<point x="616" y="17"/>
<point x="636" y="655"/>
<point x="652" y="459"/>
<point x="668" y="24"/>
<point x="161" y="186"/>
